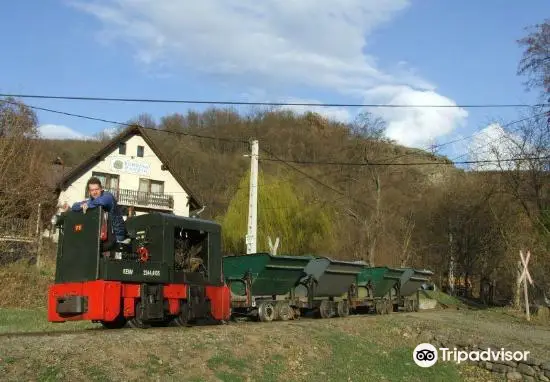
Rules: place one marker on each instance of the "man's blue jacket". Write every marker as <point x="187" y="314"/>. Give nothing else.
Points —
<point x="109" y="204"/>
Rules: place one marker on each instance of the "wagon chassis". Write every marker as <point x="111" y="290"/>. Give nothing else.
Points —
<point x="270" y="308"/>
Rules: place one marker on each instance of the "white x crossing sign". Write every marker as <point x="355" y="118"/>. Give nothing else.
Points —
<point x="525" y="273"/>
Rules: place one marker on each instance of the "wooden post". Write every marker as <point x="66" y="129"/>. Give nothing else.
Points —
<point x="273" y="247"/>
<point x="517" y="290"/>
<point x="525" y="276"/>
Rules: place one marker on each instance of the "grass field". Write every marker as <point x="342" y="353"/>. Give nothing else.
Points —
<point x="34" y="320"/>
<point x="350" y="349"/>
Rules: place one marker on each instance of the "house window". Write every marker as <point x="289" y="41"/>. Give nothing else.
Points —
<point x="109" y="182"/>
<point x="151" y="186"/>
<point x="140" y="151"/>
<point x="122" y="148"/>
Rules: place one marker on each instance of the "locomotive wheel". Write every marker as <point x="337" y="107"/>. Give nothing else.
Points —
<point x="343" y="308"/>
<point x="182" y="319"/>
<point x="325" y="309"/>
<point x="284" y="311"/>
<point x="136" y="322"/>
<point x="118" y="323"/>
<point x="266" y="312"/>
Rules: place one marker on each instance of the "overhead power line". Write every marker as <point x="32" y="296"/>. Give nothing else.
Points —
<point x="215" y="102"/>
<point x="312" y="177"/>
<point x="402" y="164"/>
<point x="275" y="158"/>
<point x="480" y="132"/>
<point x="502" y="137"/>
<point x="126" y="124"/>
<point x="476" y="134"/>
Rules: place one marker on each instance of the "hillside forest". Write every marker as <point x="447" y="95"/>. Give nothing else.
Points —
<point x="337" y="189"/>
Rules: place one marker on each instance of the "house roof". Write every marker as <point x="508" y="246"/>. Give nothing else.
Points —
<point x="194" y="202"/>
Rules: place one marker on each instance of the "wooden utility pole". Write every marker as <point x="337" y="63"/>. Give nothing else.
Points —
<point x="525" y="276"/>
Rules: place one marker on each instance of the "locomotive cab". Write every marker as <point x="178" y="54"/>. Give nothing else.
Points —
<point x="171" y="271"/>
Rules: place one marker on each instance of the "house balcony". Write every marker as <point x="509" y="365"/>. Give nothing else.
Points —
<point x="153" y="200"/>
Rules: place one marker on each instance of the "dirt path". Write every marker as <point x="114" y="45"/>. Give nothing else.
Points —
<point x="495" y="328"/>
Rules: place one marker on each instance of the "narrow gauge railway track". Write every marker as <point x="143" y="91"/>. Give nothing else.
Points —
<point x="158" y="329"/>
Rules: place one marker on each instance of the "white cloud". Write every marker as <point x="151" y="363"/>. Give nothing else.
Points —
<point x="415" y="127"/>
<point x="51" y="131"/>
<point x="493" y="143"/>
<point x="277" y="46"/>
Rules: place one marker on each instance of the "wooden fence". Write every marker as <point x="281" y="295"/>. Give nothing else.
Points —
<point x="20" y="238"/>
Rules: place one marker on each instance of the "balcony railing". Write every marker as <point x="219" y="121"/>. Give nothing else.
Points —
<point x="143" y="199"/>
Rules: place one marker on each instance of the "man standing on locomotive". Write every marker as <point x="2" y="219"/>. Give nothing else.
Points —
<point x="100" y="197"/>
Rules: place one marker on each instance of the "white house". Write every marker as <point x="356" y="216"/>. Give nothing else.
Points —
<point x="136" y="172"/>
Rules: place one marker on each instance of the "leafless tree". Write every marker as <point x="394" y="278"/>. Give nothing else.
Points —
<point x="407" y="229"/>
<point x="535" y="62"/>
<point x="22" y="171"/>
<point x="369" y="126"/>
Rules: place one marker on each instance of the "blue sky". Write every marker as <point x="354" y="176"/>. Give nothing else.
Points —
<point x="350" y="51"/>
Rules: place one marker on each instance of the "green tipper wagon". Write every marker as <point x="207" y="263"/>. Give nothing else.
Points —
<point x="378" y="289"/>
<point x="326" y="287"/>
<point x="261" y="284"/>
<point x="411" y="283"/>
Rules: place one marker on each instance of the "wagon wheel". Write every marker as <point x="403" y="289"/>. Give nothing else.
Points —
<point x="266" y="312"/>
<point x="388" y="306"/>
<point x="284" y="311"/>
<point x="383" y="309"/>
<point x="325" y="309"/>
<point x="343" y="308"/>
